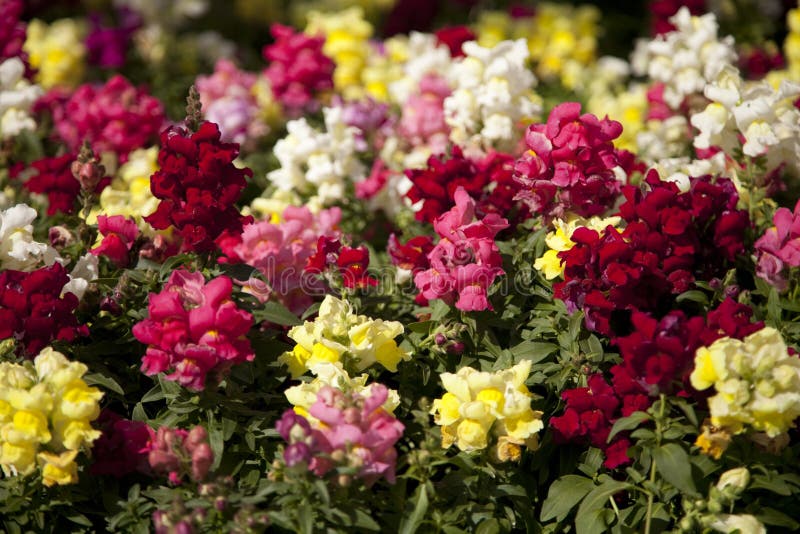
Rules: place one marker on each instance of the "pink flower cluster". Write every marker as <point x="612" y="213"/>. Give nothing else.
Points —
<point x="175" y="453"/>
<point x="228" y="99"/>
<point x="281" y="250"/>
<point x="194" y="329"/>
<point x="12" y="32"/>
<point x="570" y="164"/>
<point x="119" y="234"/>
<point x="779" y="247"/>
<point x="422" y="122"/>
<point x="354" y="432"/>
<point x="298" y="71"/>
<point x="115" y="117"/>
<point x="466" y="260"/>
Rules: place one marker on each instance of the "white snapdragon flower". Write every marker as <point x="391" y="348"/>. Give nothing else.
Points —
<point x="424" y="56"/>
<point x="18" y="250"/>
<point x="687" y="59"/>
<point x="318" y="163"/>
<point x="678" y="170"/>
<point x="663" y="139"/>
<point x="86" y="270"/>
<point x="493" y="91"/>
<point x="17" y="97"/>
<point x="766" y="118"/>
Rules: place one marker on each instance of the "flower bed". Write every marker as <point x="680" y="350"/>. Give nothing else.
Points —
<point x="405" y="266"/>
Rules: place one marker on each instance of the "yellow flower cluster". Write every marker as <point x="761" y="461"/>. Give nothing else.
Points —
<point x="129" y="193"/>
<point x="791" y="46"/>
<point x="756" y="379"/>
<point x="57" y="51"/>
<point x="371" y="8"/>
<point x="303" y="396"/>
<point x="46" y="404"/>
<point x="562" y="39"/>
<point x="346" y="43"/>
<point x="339" y="335"/>
<point x="560" y="240"/>
<point x="476" y="400"/>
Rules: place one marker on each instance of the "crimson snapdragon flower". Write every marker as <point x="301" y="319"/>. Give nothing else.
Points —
<point x="198" y="185"/>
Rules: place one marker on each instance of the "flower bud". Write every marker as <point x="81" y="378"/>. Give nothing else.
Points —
<point x="195" y="437"/>
<point x="202" y="458"/>
<point x="220" y="503"/>
<point x="455" y="348"/>
<point x="735" y="480"/>
<point x="60" y="236"/>
<point x="440" y="339"/>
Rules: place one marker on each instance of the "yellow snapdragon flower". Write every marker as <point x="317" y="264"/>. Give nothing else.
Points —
<point x="56" y="51"/>
<point x="339" y="335"/>
<point x="46" y="404"/>
<point x="756" y="379"/>
<point x="129" y="192"/>
<point x="476" y="402"/>
<point x="347" y="36"/>
<point x="560" y="240"/>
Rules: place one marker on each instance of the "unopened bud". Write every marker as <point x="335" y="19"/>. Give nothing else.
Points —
<point x="456" y="348"/>
<point x="440" y="339"/>
<point x="60" y="236"/>
<point x="734" y="479"/>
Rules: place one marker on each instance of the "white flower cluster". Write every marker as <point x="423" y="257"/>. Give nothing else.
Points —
<point x="678" y="170"/>
<point x="318" y="163"/>
<point x="493" y="91"/>
<point x="423" y="56"/>
<point x="687" y="59"/>
<point x="17" y="96"/>
<point x="766" y="118"/>
<point x="660" y="139"/>
<point x="20" y="252"/>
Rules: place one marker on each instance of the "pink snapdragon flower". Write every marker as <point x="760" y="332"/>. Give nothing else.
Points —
<point x="298" y="71"/>
<point x="176" y="453"/>
<point x="119" y="234"/>
<point x="422" y="122"/>
<point x="115" y="117"/>
<point x="280" y="251"/>
<point x="228" y="99"/>
<point x="466" y="260"/>
<point x="353" y="431"/>
<point x="779" y="247"/>
<point x="571" y="164"/>
<point x="193" y="329"/>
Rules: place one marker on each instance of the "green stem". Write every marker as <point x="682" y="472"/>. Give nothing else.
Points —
<point x="651" y="496"/>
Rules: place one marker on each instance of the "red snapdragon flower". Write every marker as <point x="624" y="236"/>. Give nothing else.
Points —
<point x="119" y="234"/>
<point x="453" y="37"/>
<point x="198" y="186"/>
<point x="55" y="179"/>
<point x="350" y="263"/>
<point x="33" y="310"/>
<point x="122" y="447"/>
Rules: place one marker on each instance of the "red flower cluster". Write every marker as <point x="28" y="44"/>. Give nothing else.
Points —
<point x="435" y="186"/>
<point x="33" y="311"/>
<point x="571" y="164"/>
<point x="194" y="329"/>
<point x="662" y="10"/>
<point x="55" y="179"/>
<point x="351" y="263"/>
<point x="657" y="357"/>
<point x="198" y="186"/>
<point x="298" y="70"/>
<point x="116" y="117"/>
<point x="122" y="447"/>
<point x="413" y="256"/>
<point x="588" y="417"/>
<point x="671" y="239"/>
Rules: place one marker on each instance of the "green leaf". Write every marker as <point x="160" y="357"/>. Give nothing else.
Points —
<point x="535" y="351"/>
<point x="155" y="394"/>
<point x="97" y="379"/>
<point x="79" y="519"/>
<point x="693" y="295"/>
<point x="591" y="512"/>
<point x="771" y="516"/>
<point x="412" y="521"/>
<point x="277" y="313"/>
<point x="627" y="423"/>
<point x="564" y="494"/>
<point x="488" y="526"/>
<point x="672" y="461"/>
